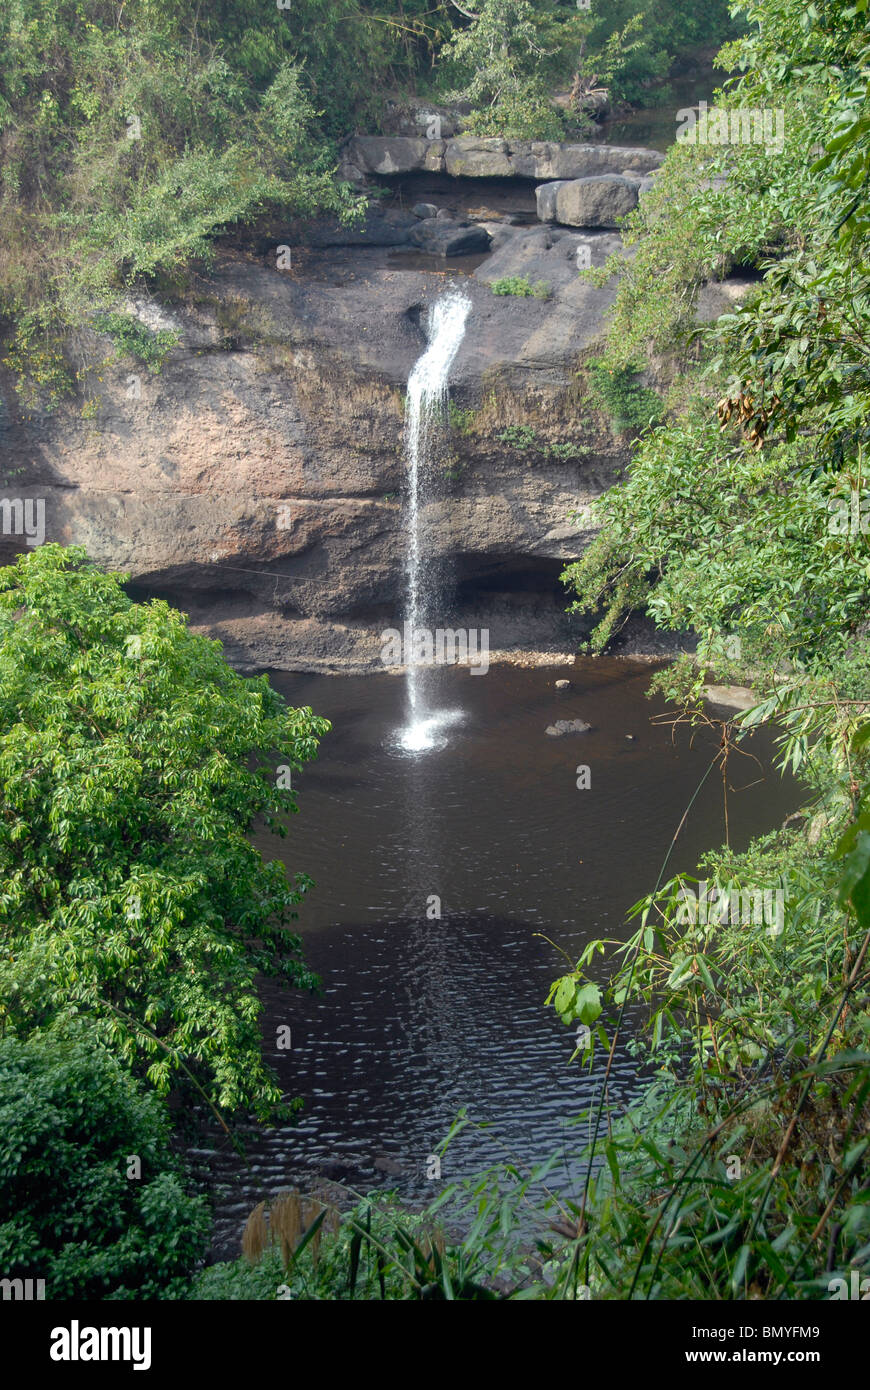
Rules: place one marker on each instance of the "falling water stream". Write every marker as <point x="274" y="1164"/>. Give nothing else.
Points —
<point x="426" y="416"/>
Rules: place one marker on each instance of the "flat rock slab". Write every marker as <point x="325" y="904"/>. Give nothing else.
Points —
<point x="567" y="726"/>
<point x="550" y="256"/>
<point x="490" y="157"/>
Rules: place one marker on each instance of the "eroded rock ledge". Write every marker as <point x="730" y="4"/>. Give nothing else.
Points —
<point x="469" y="156"/>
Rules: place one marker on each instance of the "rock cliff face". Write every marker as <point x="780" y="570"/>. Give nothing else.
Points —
<point x="257" y="481"/>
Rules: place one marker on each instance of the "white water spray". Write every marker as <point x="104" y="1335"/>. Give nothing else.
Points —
<point x="425" y="412"/>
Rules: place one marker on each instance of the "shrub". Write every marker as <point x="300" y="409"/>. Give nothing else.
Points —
<point x="132" y="338"/>
<point x="524" y="438"/>
<point x="518" y="285"/>
<point x="618" y="391"/>
<point x="461" y="420"/>
<point x="71" y="1123"/>
<point x="519" y="437"/>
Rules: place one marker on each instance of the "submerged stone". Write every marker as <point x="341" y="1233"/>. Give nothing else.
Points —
<point x="568" y="726"/>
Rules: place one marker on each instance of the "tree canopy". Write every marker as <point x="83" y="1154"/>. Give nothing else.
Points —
<point x="134" y="762"/>
<point x="92" y="1200"/>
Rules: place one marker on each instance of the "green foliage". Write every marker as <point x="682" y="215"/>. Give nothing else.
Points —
<point x="134" y="339"/>
<point x="134" y="763"/>
<point x="519" y="285"/>
<point x="564" y="450"/>
<point x="71" y="1122"/>
<point x="461" y="420"/>
<point x="520" y="437"/>
<point x="853" y="849"/>
<point x="709" y="534"/>
<point x="36" y="355"/>
<point x="632" y="45"/>
<point x="734" y="521"/>
<point x="752" y="995"/>
<point x="525" y="440"/>
<point x="618" y="390"/>
<point x="507" y="57"/>
<point x="134" y="135"/>
<point x="667" y="1213"/>
<point x="751" y="205"/>
<point x="500" y="62"/>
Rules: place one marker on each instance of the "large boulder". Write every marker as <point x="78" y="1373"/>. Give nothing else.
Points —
<point x="441" y="238"/>
<point x="730" y="697"/>
<point x="595" y="202"/>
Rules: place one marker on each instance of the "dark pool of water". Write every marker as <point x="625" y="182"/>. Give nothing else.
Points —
<point x="655" y="127"/>
<point x="420" y="1016"/>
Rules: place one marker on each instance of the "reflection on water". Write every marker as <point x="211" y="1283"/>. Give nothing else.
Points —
<point x="428" y="732"/>
<point x="435" y="875"/>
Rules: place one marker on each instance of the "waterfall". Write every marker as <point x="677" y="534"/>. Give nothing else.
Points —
<point x="426" y="413"/>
